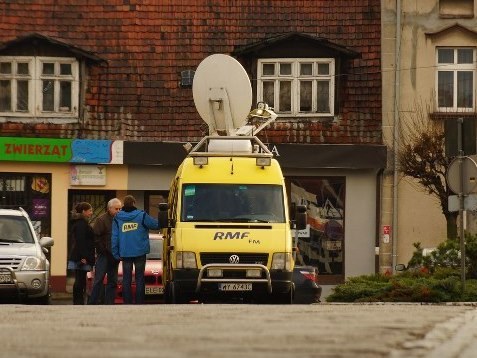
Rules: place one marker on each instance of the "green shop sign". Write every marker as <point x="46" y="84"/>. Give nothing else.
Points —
<point x="35" y="149"/>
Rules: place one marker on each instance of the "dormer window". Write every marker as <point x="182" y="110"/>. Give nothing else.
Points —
<point x="297" y="86"/>
<point x="45" y="88"/>
<point x="39" y="86"/>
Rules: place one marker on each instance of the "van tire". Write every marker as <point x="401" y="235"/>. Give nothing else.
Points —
<point x="173" y="292"/>
<point x="284" y="298"/>
<point x="167" y="293"/>
<point x="176" y="295"/>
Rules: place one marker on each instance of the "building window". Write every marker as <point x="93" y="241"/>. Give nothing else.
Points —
<point x="297" y="87"/>
<point x="39" y="86"/>
<point x="455" y="80"/>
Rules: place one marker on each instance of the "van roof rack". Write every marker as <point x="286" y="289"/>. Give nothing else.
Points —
<point x="224" y="146"/>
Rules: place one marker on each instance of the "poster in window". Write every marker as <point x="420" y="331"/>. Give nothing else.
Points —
<point x="322" y="243"/>
<point x="40" y="208"/>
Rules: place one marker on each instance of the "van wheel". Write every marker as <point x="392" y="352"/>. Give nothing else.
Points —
<point x="284" y="298"/>
<point x="167" y="293"/>
<point x="175" y="294"/>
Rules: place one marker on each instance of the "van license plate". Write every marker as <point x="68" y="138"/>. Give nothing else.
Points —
<point x="235" y="286"/>
<point x="5" y="278"/>
<point x="154" y="290"/>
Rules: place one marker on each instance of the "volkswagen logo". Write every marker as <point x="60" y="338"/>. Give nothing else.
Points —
<point x="234" y="259"/>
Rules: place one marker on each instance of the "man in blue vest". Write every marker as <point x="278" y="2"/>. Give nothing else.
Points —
<point x="130" y="244"/>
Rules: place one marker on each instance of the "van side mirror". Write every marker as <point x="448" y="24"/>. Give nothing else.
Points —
<point x="162" y="216"/>
<point x="300" y="217"/>
<point x="292" y="211"/>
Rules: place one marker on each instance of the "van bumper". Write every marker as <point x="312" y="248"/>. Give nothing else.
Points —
<point x="192" y="282"/>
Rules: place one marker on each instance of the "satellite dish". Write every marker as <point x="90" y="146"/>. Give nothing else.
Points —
<point x="222" y="94"/>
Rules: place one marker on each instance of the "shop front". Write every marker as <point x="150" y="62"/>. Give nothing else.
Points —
<point x="340" y="184"/>
<point x="46" y="177"/>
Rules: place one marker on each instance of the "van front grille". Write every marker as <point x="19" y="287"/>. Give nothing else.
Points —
<point x="224" y="258"/>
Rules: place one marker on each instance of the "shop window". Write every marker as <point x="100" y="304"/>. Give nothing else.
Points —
<point x="32" y="193"/>
<point x="297" y="87"/>
<point x="455" y="79"/>
<point x="322" y="244"/>
<point x="33" y="86"/>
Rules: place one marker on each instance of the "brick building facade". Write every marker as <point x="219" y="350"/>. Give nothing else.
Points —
<point x="121" y="70"/>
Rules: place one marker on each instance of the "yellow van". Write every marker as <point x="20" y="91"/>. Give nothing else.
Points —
<point x="227" y="230"/>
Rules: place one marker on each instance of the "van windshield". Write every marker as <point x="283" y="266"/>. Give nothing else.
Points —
<point x="15" y="229"/>
<point x="232" y="203"/>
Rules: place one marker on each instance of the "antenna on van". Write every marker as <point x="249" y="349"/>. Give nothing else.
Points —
<point x="223" y="97"/>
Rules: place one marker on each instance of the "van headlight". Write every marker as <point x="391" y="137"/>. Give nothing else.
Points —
<point x="33" y="263"/>
<point x="185" y="259"/>
<point x="282" y="261"/>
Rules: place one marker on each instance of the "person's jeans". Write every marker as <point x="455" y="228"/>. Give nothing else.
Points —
<point x="105" y="265"/>
<point x="79" y="287"/>
<point x="139" y="267"/>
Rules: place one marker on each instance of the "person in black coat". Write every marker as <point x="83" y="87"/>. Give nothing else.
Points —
<point x="81" y="258"/>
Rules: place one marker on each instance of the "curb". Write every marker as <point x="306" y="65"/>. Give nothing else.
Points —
<point x="61" y="296"/>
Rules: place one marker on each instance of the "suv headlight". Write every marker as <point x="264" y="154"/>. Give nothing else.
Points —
<point x="32" y="263"/>
<point x="185" y="259"/>
<point x="282" y="261"/>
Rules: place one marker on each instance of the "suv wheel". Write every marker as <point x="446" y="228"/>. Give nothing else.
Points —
<point x="44" y="300"/>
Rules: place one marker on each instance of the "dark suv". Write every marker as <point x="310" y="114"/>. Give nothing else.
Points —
<point x="24" y="268"/>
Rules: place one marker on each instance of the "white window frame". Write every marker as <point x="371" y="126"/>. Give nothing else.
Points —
<point x="35" y="80"/>
<point x="295" y="78"/>
<point x="455" y="68"/>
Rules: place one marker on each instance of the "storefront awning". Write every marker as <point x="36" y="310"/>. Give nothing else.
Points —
<point x="344" y="156"/>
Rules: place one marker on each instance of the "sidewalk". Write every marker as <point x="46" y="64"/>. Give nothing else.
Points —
<point x="452" y="338"/>
<point x="61" y="296"/>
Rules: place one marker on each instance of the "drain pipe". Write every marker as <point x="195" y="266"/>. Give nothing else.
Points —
<point x="397" y="92"/>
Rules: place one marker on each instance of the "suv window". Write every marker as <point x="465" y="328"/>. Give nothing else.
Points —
<point x="15" y="229"/>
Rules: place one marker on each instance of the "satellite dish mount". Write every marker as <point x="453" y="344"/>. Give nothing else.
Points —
<point x="220" y="111"/>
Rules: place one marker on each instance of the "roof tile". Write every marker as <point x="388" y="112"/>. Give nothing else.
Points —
<point x="147" y="43"/>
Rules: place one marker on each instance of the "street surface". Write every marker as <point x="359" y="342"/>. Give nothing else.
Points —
<point x="213" y="331"/>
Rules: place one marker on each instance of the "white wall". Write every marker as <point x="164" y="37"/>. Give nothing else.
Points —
<point x="360" y="223"/>
<point x="151" y="177"/>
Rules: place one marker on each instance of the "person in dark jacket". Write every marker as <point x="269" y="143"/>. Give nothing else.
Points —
<point x="130" y="243"/>
<point x="105" y="264"/>
<point x="81" y="258"/>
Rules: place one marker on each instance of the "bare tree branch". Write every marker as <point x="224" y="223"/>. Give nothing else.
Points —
<point x="421" y="155"/>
